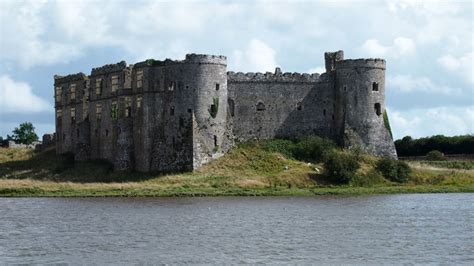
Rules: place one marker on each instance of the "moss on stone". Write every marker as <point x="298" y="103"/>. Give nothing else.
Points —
<point x="387" y="123"/>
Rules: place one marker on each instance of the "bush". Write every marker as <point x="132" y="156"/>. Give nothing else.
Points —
<point x="313" y="149"/>
<point x="341" y="167"/>
<point x="393" y="170"/>
<point x="435" y="156"/>
<point x="310" y="149"/>
<point x="283" y="146"/>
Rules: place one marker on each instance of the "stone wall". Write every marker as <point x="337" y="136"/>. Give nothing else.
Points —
<point x="281" y="105"/>
<point x="173" y="115"/>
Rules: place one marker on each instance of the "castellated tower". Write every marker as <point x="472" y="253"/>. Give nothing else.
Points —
<point x="360" y="93"/>
<point x="207" y="76"/>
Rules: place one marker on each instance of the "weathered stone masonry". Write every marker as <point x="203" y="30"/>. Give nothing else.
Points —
<point x="177" y="115"/>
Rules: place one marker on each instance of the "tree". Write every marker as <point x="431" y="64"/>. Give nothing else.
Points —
<point x="24" y="134"/>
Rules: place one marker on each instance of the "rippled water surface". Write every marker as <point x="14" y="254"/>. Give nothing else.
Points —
<point x="417" y="228"/>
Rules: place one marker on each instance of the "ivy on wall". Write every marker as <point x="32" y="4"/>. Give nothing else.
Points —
<point x="387" y="123"/>
<point x="214" y="107"/>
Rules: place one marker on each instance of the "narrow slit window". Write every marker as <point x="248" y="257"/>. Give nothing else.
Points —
<point x="172" y="110"/>
<point x="215" y="141"/>
<point x="377" y="109"/>
<point x="375" y="86"/>
<point x="324" y="112"/>
<point x="73" y="115"/>
<point x="217" y="86"/>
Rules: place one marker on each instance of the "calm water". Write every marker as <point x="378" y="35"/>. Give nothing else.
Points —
<point x="393" y="229"/>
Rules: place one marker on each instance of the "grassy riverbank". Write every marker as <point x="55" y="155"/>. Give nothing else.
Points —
<point x="247" y="170"/>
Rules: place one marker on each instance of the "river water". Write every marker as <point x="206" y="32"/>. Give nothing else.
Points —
<point x="389" y="229"/>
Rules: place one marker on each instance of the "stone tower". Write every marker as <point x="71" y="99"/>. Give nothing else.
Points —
<point x="208" y="85"/>
<point x="360" y="90"/>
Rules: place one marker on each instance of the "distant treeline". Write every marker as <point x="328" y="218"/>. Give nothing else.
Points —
<point x="447" y="145"/>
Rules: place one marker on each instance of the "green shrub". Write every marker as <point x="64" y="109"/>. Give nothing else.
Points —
<point x="435" y="156"/>
<point x="341" y="167"/>
<point x="283" y="146"/>
<point x="313" y="149"/>
<point x="393" y="170"/>
<point x="372" y="178"/>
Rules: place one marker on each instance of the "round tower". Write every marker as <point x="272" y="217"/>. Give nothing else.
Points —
<point x="360" y="87"/>
<point x="211" y="134"/>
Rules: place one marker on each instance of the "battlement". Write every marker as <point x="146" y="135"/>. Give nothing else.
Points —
<point x="69" y="78"/>
<point x="364" y="63"/>
<point x="273" y="77"/>
<point x="109" y="68"/>
<point x="206" y="59"/>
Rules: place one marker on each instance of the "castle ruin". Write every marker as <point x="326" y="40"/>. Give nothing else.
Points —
<point x="178" y="115"/>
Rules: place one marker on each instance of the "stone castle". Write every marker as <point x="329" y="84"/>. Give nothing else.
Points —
<point x="178" y="115"/>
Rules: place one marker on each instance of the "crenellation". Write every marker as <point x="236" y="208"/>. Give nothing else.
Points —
<point x="272" y="77"/>
<point x="175" y="115"/>
<point x="109" y="68"/>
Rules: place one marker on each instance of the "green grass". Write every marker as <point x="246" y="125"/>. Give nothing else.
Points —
<point x="251" y="169"/>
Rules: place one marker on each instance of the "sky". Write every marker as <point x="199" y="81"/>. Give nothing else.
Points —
<point x="428" y="46"/>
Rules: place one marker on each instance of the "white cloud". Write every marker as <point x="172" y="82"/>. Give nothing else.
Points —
<point x="408" y="83"/>
<point x="401" y="47"/>
<point x="18" y="97"/>
<point x="461" y="66"/>
<point x="24" y="25"/>
<point x="257" y="57"/>
<point x="433" y="121"/>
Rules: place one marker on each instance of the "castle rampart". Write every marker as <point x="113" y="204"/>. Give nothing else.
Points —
<point x="175" y="115"/>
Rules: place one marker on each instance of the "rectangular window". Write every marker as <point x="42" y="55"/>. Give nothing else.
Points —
<point x="128" y="107"/>
<point x="73" y="115"/>
<point x="115" y="82"/>
<point x="139" y="102"/>
<point x="98" y="111"/>
<point x="114" y="110"/>
<point x="139" y="78"/>
<point x="59" y="113"/>
<point x="72" y="91"/>
<point x="59" y="93"/>
<point x="98" y="86"/>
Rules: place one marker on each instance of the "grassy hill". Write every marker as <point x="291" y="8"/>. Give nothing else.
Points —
<point x="249" y="169"/>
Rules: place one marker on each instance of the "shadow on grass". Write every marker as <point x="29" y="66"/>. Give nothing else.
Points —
<point x="48" y="166"/>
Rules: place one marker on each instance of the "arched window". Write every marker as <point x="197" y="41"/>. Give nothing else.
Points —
<point x="260" y="106"/>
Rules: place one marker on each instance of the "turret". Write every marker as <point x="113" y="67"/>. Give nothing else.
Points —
<point x="208" y="74"/>
<point x="360" y="89"/>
